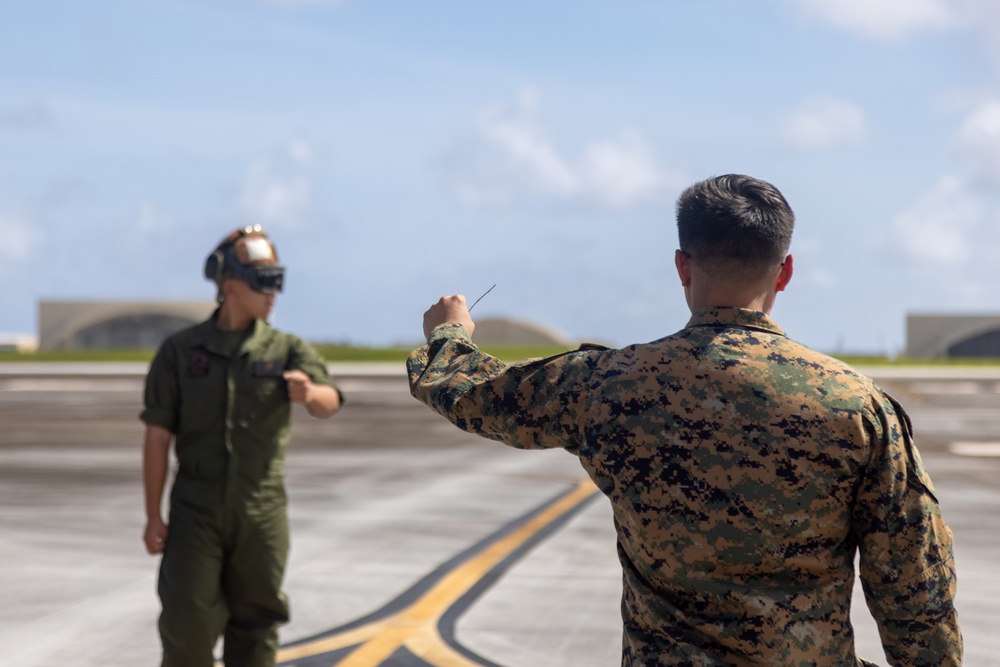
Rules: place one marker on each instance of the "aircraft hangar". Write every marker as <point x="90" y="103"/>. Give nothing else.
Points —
<point x="102" y="325"/>
<point x="952" y="336"/>
<point x="68" y="325"/>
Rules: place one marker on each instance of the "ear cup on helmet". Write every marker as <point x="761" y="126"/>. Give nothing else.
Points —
<point x="214" y="265"/>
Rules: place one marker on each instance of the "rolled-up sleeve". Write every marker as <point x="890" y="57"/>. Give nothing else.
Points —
<point x="304" y="357"/>
<point x="160" y="399"/>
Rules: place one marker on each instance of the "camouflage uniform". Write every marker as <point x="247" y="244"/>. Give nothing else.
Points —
<point x="745" y="471"/>
<point x="226" y="401"/>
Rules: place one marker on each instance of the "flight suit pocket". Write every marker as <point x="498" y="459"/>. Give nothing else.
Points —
<point x="267" y="380"/>
<point x="267" y="389"/>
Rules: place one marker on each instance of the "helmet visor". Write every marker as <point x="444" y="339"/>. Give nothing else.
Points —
<point x="264" y="278"/>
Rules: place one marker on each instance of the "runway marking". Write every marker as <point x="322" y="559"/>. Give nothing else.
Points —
<point x="70" y="385"/>
<point x="976" y="448"/>
<point x="417" y="629"/>
<point x="946" y="388"/>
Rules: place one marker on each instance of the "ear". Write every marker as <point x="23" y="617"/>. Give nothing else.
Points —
<point x="227" y="286"/>
<point x="784" y="274"/>
<point x="683" y="264"/>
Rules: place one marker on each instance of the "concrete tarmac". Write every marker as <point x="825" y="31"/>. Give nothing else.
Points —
<point x="484" y="555"/>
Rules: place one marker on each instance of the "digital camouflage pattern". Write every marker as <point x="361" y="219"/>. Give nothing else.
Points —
<point x="745" y="471"/>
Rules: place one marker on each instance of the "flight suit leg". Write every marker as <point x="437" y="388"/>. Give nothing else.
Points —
<point x="194" y="610"/>
<point x="252" y="583"/>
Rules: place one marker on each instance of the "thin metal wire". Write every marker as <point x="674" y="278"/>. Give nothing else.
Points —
<point x="481" y="298"/>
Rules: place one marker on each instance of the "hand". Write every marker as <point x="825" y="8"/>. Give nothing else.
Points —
<point x="300" y="387"/>
<point x="155" y="536"/>
<point x="448" y="309"/>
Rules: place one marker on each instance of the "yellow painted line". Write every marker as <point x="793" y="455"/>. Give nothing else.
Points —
<point x="347" y="638"/>
<point x="415" y="627"/>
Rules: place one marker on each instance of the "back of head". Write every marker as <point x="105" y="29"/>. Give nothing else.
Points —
<point x="246" y="254"/>
<point x="734" y="224"/>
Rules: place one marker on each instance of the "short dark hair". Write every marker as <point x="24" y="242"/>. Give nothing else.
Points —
<point x="735" y="220"/>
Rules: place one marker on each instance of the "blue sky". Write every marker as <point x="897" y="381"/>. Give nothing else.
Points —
<point x="397" y="151"/>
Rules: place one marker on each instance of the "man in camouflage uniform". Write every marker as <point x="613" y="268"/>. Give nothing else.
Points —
<point x="745" y="470"/>
<point x="224" y="391"/>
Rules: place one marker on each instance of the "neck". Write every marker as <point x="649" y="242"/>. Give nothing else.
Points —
<point x="702" y="299"/>
<point x="704" y="290"/>
<point x="230" y="319"/>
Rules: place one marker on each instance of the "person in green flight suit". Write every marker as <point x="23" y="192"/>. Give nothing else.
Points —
<point x="222" y="392"/>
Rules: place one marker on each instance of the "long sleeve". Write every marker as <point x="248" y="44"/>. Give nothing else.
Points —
<point x="907" y="564"/>
<point x="532" y="405"/>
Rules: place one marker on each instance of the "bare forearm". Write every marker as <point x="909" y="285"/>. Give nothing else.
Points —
<point x="155" y="461"/>
<point x="323" y="401"/>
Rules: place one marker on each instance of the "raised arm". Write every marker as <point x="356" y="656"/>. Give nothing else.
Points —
<point x="523" y="405"/>
<point x="309" y="383"/>
<point x="321" y="400"/>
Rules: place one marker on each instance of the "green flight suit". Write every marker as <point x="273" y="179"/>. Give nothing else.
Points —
<point x="223" y="397"/>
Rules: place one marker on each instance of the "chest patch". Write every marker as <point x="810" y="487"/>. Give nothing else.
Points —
<point x="198" y="362"/>
<point x="267" y="369"/>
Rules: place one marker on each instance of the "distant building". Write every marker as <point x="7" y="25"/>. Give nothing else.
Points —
<point x="512" y="332"/>
<point x="952" y="336"/>
<point x="11" y="342"/>
<point x="104" y="325"/>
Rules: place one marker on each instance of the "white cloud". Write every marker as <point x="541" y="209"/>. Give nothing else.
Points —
<point x="982" y="18"/>
<point x="270" y="199"/>
<point x="300" y="150"/>
<point x="884" y="19"/>
<point x="514" y="158"/>
<point x="888" y="20"/>
<point x="622" y="172"/>
<point x="151" y="220"/>
<point x="826" y="123"/>
<point x="524" y="144"/>
<point x="979" y="142"/>
<point x="810" y="263"/>
<point x="939" y="228"/>
<point x="18" y="238"/>
<point x="151" y="233"/>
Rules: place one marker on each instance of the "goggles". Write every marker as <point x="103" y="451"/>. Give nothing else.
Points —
<point x="263" y="278"/>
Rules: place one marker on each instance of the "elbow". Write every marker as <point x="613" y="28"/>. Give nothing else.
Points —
<point x="326" y="404"/>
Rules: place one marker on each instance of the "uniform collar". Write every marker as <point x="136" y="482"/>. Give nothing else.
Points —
<point x="735" y="317"/>
<point x="212" y="339"/>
